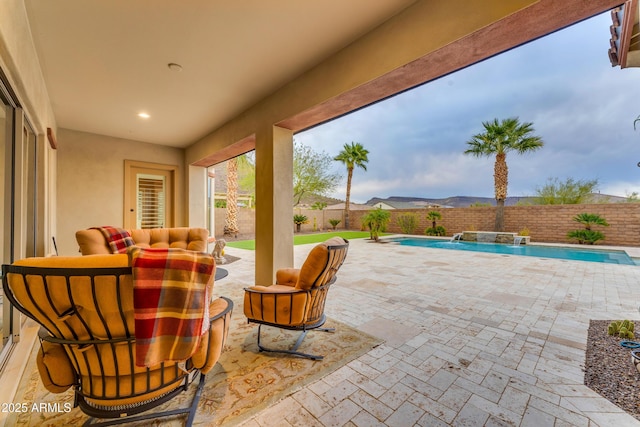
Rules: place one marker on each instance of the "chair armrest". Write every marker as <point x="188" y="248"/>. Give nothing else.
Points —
<point x="219" y="308"/>
<point x="212" y="342"/>
<point x="287" y="276"/>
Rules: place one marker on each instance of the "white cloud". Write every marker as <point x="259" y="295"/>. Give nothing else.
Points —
<point x="621" y="188"/>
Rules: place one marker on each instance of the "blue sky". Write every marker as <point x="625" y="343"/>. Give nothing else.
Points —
<point x="564" y="84"/>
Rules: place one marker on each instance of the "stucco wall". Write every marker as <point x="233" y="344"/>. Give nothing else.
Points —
<point x="20" y="65"/>
<point x="546" y="223"/>
<point x="19" y="61"/>
<point x="91" y="181"/>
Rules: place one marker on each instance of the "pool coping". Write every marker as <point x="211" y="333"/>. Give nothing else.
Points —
<point x="631" y="251"/>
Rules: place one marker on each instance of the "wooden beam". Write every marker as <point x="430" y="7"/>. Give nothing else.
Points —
<point x="52" y="139"/>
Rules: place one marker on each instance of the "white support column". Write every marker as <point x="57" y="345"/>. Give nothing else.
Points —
<point x="197" y="197"/>
<point x="274" y="198"/>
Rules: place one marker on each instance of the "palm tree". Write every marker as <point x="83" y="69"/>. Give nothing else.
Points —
<point x="352" y="155"/>
<point x="231" y="217"/>
<point x="240" y="173"/>
<point x="435" y="230"/>
<point x="498" y="139"/>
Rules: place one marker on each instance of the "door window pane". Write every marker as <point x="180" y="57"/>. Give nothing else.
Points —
<point x="152" y="193"/>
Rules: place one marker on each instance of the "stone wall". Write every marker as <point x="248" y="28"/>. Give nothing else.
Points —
<point x="546" y="223"/>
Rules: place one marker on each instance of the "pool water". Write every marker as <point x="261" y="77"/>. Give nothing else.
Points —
<point x="576" y="254"/>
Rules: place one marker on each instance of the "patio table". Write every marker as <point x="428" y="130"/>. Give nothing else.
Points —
<point x="221" y="273"/>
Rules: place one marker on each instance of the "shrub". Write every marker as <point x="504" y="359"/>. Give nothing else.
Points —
<point x="376" y="221"/>
<point x="524" y="232"/>
<point x="622" y="328"/>
<point x="408" y="222"/>
<point x="436" y="231"/>
<point x="298" y="220"/>
<point x="334" y="222"/>
<point x="587" y="236"/>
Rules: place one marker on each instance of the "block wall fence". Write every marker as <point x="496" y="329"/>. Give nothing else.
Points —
<point x="318" y="220"/>
<point x="546" y="223"/>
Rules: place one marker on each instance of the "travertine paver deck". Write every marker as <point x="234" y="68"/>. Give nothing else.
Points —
<point x="472" y="339"/>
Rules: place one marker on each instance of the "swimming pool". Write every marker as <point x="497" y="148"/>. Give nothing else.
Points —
<point x="576" y="254"/>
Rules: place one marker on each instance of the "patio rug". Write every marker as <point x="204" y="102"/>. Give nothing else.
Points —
<point x="242" y="383"/>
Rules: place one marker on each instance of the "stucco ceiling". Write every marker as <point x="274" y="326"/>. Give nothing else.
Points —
<point x="106" y="61"/>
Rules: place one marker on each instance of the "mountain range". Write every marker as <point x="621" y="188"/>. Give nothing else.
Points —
<point x="400" y="202"/>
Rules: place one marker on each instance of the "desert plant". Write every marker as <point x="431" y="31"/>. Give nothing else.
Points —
<point x="587" y="236"/>
<point x="569" y="191"/>
<point x="623" y="329"/>
<point x="352" y="155"/>
<point x="499" y="138"/>
<point x="590" y="219"/>
<point x="524" y="232"/>
<point x="376" y="221"/>
<point x="633" y="197"/>
<point x="334" y="222"/>
<point x="312" y="175"/>
<point x="298" y="220"/>
<point x="435" y="230"/>
<point x="408" y="222"/>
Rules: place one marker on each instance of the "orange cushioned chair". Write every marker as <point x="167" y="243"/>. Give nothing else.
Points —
<point x="296" y="301"/>
<point x="85" y="305"/>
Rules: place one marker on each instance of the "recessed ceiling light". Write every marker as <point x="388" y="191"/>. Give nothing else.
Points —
<point x="143" y="115"/>
<point x="174" y="67"/>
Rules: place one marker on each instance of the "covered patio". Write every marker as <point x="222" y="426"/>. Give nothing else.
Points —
<point x="461" y="338"/>
<point x="469" y="339"/>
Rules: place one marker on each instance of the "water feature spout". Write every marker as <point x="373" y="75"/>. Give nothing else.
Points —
<point x="456" y="237"/>
<point x="517" y="240"/>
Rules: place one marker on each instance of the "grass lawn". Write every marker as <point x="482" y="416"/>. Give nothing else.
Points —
<point x="303" y="239"/>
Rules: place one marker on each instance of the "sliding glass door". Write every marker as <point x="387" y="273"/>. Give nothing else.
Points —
<point x="6" y="210"/>
<point x="18" y="202"/>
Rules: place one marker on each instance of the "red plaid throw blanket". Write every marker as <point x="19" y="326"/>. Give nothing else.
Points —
<point x="119" y="239"/>
<point x="171" y="290"/>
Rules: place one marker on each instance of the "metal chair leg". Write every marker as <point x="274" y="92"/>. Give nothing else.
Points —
<point x="293" y="350"/>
